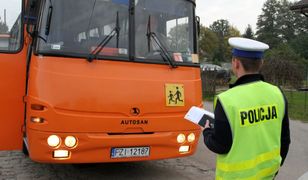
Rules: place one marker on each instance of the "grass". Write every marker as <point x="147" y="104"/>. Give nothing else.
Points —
<point x="298" y="105"/>
<point x="305" y="83"/>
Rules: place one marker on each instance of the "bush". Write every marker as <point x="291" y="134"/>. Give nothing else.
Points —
<point x="283" y="67"/>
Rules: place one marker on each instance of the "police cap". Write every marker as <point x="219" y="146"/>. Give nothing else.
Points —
<point x="247" y="48"/>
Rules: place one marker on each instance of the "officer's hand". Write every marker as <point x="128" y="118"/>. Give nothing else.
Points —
<point x="207" y="124"/>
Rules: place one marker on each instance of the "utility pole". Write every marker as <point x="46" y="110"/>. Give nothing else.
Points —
<point x="5" y="16"/>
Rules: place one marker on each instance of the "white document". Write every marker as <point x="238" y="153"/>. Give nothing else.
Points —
<point x="199" y="116"/>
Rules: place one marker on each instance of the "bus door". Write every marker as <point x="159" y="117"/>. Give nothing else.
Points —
<point x="12" y="74"/>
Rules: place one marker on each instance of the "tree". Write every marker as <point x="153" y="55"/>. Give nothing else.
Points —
<point x="286" y="21"/>
<point x="278" y="24"/>
<point x="3" y="27"/>
<point x="249" y="33"/>
<point x="267" y="28"/>
<point x="301" y="24"/>
<point x="233" y="32"/>
<point x="223" y="31"/>
<point x="208" y="43"/>
<point x="178" y="36"/>
<point x="300" y="44"/>
<point x="291" y="23"/>
<point x="221" y="27"/>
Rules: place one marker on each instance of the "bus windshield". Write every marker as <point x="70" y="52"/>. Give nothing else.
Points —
<point x="172" y="22"/>
<point x="81" y="27"/>
<point x="77" y="27"/>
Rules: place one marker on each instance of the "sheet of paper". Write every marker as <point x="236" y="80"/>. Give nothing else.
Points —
<point x="196" y="115"/>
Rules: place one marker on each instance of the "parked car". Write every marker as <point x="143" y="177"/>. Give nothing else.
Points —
<point x="222" y="75"/>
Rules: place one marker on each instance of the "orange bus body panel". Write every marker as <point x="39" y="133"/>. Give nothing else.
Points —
<point x="12" y="90"/>
<point x="92" y="100"/>
<point x="96" y="148"/>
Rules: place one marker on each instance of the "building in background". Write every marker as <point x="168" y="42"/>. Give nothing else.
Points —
<point x="301" y="7"/>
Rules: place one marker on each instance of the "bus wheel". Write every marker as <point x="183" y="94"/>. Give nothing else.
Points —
<point x="25" y="149"/>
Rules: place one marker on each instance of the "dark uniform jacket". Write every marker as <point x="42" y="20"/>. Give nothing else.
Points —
<point x="219" y="139"/>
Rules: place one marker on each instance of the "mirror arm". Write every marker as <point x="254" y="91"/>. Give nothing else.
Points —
<point x="198" y="25"/>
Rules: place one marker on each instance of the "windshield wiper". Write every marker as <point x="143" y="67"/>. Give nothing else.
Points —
<point x="49" y="16"/>
<point x="44" y="35"/>
<point x="164" y="52"/>
<point x="105" y="41"/>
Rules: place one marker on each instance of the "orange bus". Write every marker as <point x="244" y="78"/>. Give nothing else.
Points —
<point x="87" y="81"/>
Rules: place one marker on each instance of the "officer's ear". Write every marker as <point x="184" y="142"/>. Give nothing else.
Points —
<point x="236" y="63"/>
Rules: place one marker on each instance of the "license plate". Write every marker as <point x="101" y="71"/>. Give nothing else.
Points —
<point x="130" y="152"/>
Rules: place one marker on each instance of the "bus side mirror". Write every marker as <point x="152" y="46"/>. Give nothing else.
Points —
<point x="198" y="25"/>
<point x="31" y="15"/>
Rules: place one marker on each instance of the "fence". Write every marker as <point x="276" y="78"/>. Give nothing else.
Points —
<point x="213" y="82"/>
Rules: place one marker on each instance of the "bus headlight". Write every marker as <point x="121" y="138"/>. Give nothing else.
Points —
<point x="53" y="141"/>
<point x="191" y="137"/>
<point x="70" y="141"/>
<point x="181" y="138"/>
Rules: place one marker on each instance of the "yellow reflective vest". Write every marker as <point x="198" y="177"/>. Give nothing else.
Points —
<point x="255" y="112"/>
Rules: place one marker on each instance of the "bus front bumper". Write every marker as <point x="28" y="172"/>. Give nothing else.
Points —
<point x="99" y="147"/>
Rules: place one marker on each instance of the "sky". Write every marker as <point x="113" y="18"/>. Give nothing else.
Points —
<point x="239" y="13"/>
<point x="12" y="10"/>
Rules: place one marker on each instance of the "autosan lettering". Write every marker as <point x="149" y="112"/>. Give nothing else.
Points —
<point x="134" y="122"/>
<point x="257" y="115"/>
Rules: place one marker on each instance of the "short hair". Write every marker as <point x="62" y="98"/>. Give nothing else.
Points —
<point x="249" y="64"/>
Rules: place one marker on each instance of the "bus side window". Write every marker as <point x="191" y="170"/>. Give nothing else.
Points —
<point x="10" y="30"/>
<point x="15" y="36"/>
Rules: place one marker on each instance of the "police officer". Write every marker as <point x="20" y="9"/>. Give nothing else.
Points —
<point x="251" y="130"/>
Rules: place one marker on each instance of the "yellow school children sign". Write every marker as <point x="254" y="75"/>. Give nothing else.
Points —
<point x="174" y="94"/>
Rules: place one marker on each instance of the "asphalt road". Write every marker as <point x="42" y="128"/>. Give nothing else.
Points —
<point x="13" y="165"/>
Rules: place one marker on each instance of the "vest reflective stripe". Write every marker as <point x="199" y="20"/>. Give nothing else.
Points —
<point x="263" y="174"/>
<point x="249" y="163"/>
<point x="255" y="112"/>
